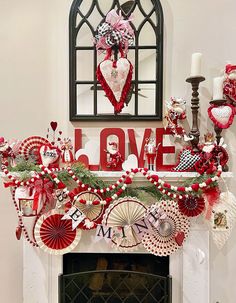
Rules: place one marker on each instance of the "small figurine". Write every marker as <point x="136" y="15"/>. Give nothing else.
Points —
<point x="176" y="111"/>
<point x="66" y="148"/>
<point x="150" y="150"/>
<point x="115" y="159"/>
<point x="6" y="152"/>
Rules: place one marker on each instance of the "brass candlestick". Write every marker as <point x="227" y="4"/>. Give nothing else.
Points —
<point x="194" y="107"/>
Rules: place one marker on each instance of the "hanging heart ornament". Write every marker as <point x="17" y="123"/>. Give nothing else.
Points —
<point x="222" y="116"/>
<point x="115" y="78"/>
<point x="48" y="154"/>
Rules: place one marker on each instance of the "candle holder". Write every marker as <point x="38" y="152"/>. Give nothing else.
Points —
<point x="217" y="129"/>
<point x="194" y="107"/>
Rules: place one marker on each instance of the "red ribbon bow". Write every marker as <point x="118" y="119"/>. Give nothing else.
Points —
<point x="42" y="187"/>
<point x="230" y="68"/>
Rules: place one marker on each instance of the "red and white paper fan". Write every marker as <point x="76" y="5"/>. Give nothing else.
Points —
<point x="55" y="236"/>
<point x="123" y="214"/>
<point x="86" y="203"/>
<point x="171" y="232"/>
<point x="30" y="146"/>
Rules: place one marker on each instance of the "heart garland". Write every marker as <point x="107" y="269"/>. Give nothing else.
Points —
<point x="115" y="78"/>
<point x="222" y="116"/>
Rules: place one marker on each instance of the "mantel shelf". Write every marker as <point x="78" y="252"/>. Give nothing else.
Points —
<point x="167" y="175"/>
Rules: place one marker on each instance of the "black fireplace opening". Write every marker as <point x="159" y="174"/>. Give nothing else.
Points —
<point x="114" y="278"/>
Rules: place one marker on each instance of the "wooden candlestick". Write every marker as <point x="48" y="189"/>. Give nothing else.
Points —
<point x="194" y="107"/>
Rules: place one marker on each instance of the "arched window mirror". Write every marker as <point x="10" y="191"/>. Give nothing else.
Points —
<point x="87" y="99"/>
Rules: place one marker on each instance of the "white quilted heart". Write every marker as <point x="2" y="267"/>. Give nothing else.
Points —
<point x="222" y="113"/>
<point x="48" y="155"/>
<point x="115" y="77"/>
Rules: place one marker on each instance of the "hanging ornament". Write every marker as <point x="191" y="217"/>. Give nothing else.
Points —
<point x="122" y="215"/>
<point x="115" y="75"/>
<point x="115" y="78"/>
<point x="223" y="218"/>
<point x="229" y="85"/>
<point x="171" y="232"/>
<point x="191" y="206"/>
<point x="54" y="235"/>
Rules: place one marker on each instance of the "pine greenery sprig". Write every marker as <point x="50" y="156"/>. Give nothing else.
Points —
<point x="25" y="167"/>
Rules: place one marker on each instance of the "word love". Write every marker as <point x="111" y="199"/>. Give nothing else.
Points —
<point x="127" y="138"/>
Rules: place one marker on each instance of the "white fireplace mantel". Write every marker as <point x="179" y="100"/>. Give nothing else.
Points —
<point x="189" y="267"/>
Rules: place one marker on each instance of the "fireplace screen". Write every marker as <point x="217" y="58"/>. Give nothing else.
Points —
<point x="114" y="278"/>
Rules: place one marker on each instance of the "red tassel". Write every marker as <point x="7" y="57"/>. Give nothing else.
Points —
<point x="212" y="195"/>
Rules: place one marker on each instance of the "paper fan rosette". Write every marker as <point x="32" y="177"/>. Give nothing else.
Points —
<point x="89" y="204"/>
<point x="30" y="146"/>
<point x="170" y="233"/>
<point x="121" y="216"/>
<point x="54" y="235"/>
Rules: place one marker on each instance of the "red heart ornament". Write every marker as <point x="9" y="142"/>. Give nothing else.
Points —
<point x="115" y="79"/>
<point x="49" y="155"/>
<point x="53" y="125"/>
<point x="179" y="238"/>
<point x="222" y="116"/>
<point x="18" y="232"/>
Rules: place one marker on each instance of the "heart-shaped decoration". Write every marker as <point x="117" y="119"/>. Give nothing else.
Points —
<point x="49" y="155"/>
<point x="179" y="238"/>
<point x="53" y="125"/>
<point x="18" y="232"/>
<point x="222" y="116"/>
<point x="187" y="160"/>
<point x="131" y="162"/>
<point x="115" y="79"/>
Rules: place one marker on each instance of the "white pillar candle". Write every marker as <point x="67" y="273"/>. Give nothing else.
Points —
<point x="196" y="65"/>
<point x="218" y="88"/>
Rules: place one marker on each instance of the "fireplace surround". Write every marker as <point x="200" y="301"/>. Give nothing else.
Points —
<point x="189" y="269"/>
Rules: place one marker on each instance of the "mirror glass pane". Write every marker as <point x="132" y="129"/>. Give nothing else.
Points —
<point x="84" y="99"/>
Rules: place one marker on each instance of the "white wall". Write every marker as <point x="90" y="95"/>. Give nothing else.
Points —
<point x="34" y="91"/>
